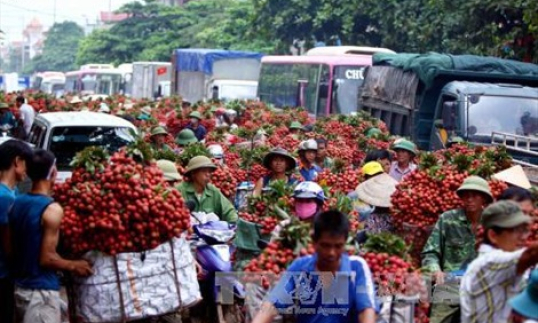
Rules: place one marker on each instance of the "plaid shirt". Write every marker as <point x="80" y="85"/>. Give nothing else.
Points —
<point x="490" y="281"/>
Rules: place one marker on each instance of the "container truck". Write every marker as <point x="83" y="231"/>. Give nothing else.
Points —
<point x="151" y="80"/>
<point x="205" y="74"/>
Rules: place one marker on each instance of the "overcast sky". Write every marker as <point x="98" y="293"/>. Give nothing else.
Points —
<point x="15" y="14"/>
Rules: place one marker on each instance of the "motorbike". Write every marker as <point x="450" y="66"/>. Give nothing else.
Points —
<point x="211" y="244"/>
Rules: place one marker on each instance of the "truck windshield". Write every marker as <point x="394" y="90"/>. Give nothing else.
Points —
<point x="65" y="142"/>
<point x="513" y="115"/>
<point x="347" y="82"/>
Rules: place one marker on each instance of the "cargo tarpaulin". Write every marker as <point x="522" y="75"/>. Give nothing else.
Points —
<point x="201" y="60"/>
<point x="428" y="66"/>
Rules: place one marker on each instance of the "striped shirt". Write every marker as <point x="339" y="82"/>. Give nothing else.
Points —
<point x="490" y="281"/>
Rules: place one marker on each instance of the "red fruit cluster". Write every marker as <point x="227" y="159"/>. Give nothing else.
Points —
<point x="224" y="180"/>
<point x="389" y="272"/>
<point x="343" y="183"/>
<point x="274" y="259"/>
<point x="268" y="223"/>
<point x="127" y="207"/>
<point x="422" y="197"/>
<point x="256" y="172"/>
<point x="175" y="125"/>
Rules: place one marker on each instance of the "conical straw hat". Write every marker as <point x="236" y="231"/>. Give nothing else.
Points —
<point x="377" y="191"/>
<point x="514" y="176"/>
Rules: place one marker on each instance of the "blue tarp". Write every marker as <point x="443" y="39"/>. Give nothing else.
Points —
<point x="201" y="60"/>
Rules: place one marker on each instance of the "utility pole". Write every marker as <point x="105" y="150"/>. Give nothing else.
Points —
<point x="110" y="6"/>
<point x="54" y="11"/>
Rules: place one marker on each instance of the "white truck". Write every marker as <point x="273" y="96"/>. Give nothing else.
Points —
<point x="67" y="133"/>
<point x="205" y="74"/>
<point x="151" y="80"/>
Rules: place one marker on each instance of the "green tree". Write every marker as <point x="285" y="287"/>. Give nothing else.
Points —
<point x="153" y="31"/>
<point x="59" y="49"/>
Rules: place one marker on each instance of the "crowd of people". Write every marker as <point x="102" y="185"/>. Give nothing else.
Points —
<point x="498" y="283"/>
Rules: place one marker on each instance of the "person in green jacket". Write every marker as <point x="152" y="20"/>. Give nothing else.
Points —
<point x="451" y="246"/>
<point x="206" y="196"/>
<point x="158" y="138"/>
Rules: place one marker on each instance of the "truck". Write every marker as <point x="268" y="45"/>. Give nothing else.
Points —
<point x="151" y="80"/>
<point x="205" y="74"/>
<point x="10" y="82"/>
<point x="432" y="98"/>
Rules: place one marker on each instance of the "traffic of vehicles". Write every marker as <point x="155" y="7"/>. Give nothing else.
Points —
<point x="429" y="107"/>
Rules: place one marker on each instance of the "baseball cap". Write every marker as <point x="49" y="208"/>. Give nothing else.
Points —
<point x="372" y="168"/>
<point x="504" y="214"/>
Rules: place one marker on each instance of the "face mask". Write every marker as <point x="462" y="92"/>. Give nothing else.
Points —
<point x="305" y="210"/>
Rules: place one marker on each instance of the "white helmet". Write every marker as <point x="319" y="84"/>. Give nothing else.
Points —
<point x="216" y="151"/>
<point x="309" y="190"/>
<point x="231" y="112"/>
<point x="309" y="144"/>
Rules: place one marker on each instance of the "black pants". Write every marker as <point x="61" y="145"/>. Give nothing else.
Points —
<point x="7" y="300"/>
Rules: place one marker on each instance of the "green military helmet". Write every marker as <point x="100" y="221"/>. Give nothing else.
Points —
<point x="504" y="214"/>
<point x="373" y="132"/>
<point x="477" y="184"/>
<point x="158" y="131"/>
<point x="186" y="137"/>
<point x="199" y="162"/>
<point x="169" y="170"/>
<point x="195" y="114"/>
<point x="296" y="125"/>
<point x="406" y="145"/>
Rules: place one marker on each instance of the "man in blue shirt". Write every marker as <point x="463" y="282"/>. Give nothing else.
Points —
<point x="198" y="129"/>
<point x="327" y="287"/>
<point x="14" y="156"/>
<point x="35" y="221"/>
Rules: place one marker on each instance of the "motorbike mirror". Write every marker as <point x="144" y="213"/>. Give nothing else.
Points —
<point x="191" y="205"/>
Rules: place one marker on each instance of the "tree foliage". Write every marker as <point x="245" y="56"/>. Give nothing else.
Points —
<point x="485" y="27"/>
<point x="456" y="26"/>
<point x="153" y="31"/>
<point x="59" y="49"/>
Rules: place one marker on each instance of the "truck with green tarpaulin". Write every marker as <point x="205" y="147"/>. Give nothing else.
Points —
<point x="433" y="98"/>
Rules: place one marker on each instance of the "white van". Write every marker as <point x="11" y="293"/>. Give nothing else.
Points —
<point x="67" y="133"/>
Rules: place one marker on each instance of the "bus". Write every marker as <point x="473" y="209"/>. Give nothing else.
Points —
<point x="96" y="67"/>
<point x="347" y="50"/>
<point x="48" y="82"/>
<point x="94" y="81"/>
<point x="322" y="84"/>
